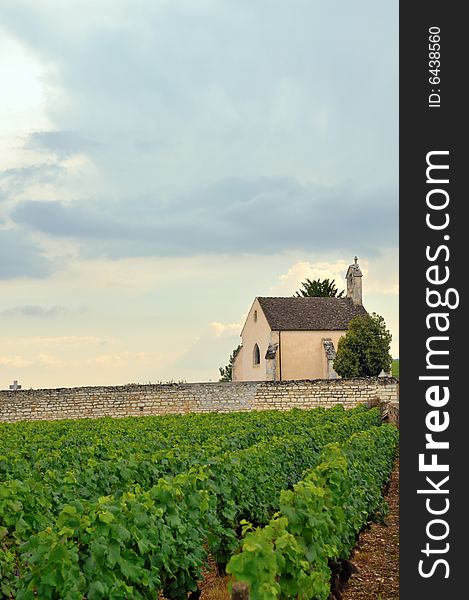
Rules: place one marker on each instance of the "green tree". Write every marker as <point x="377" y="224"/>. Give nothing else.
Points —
<point x="227" y="372"/>
<point x="317" y="287"/>
<point x="364" y="350"/>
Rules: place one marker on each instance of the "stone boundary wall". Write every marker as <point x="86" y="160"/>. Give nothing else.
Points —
<point x="137" y="400"/>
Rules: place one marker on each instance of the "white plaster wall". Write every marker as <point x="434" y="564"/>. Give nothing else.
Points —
<point x="254" y="332"/>
<point x="303" y="355"/>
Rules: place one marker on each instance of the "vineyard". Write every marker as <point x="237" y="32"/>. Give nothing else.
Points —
<point x="133" y="507"/>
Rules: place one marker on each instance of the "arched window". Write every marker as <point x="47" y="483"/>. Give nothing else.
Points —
<point x="255" y="316"/>
<point x="256" y="356"/>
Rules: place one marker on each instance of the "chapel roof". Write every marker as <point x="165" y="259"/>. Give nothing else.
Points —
<point x="309" y="313"/>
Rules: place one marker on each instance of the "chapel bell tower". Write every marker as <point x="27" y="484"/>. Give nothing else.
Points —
<point x="354" y="283"/>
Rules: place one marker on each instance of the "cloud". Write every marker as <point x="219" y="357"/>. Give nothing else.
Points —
<point x="226" y="330"/>
<point x="379" y="274"/>
<point x="41" y="360"/>
<point x="15" y="361"/>
<point x="157" y="146"/>
<point x="21" y="257"/>
<point x="288" y="283"/>
<point x="108" y="360"/>
<point x="54" y="368"/>
<point x="196" y="143"/>
<point x="80" y="220"/>
<point x="200" y="359"/>
<point x="61" y="143"/>
<point x="33" y="310"/>
<point x="259" y="215"/>
<point x="64" y="340"/>
<point x="18" y="177"/>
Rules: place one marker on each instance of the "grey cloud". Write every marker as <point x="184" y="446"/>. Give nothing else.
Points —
<point x="177" y="91"/>
<point x="38" y="173"/>
<point x="78" y="220"/>
<point x="60" y="143"/>
<point x="20" y="257"/>
<point x="33" y="310"/>
<point x="232" y="216"/>
<point x="203" y="121"/>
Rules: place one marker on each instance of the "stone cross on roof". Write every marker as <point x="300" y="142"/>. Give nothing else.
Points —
<point x="14" y="386"/>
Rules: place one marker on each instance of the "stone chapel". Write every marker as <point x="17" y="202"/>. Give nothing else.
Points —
<point x="296" y="338"/>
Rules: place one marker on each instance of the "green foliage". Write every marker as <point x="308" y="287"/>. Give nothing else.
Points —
<point x="7" y="564"/>
<point x="227" y="372"/>
<point x="130" y="545"/>
<point x="318" y="520"/>
<point x="120" y="508"/>
<point x="316" y="287"/>
<point x="364" y="350"/>
<point x="395" y="368"/>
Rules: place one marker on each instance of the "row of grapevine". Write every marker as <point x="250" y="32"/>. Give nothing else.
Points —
<point x="31" y="449"/>
<point x="318" y="520"/>
<point x="47" y="485"/>
<point x="161" y="517"/>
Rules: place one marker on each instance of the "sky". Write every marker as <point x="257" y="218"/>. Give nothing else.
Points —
<point x="163" y="163"/>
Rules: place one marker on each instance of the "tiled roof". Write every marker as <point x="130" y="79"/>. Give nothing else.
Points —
<point x="305" y="314"/>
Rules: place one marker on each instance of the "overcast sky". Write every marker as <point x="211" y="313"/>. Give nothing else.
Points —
<point x="162" y="163"/>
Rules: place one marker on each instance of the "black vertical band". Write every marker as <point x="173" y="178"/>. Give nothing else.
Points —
<point x="433" y="331"/>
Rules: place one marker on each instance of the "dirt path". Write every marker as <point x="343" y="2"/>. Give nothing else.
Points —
<point x="376" y="556"/>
